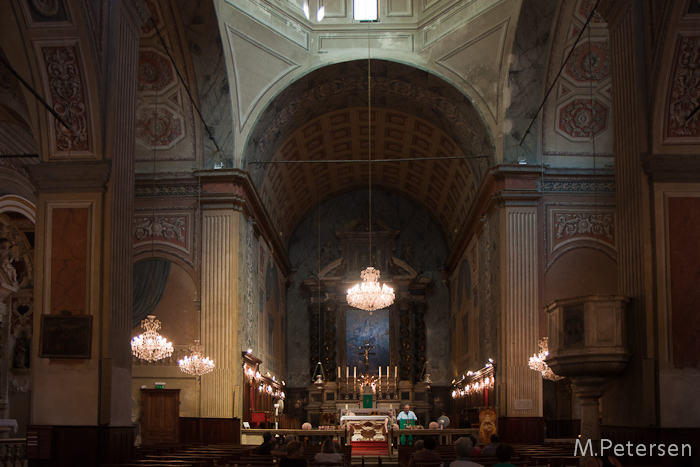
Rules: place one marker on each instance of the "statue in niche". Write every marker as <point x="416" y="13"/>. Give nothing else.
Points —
<point x="327" y="254"/>
<point x="20" y="352"/>
<point x="7" y="257"/>
<point x="408" y="258"/>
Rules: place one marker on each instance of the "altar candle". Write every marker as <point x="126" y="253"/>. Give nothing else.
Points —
<point x="380" y="374"/>
<point x="347" y="372"/>
<point x="396" y="372"/>
<point x="338" y="372"/>
<point x="387" y="372"/>
<point x="354" y="372"/>
<point x="346" y="406"/>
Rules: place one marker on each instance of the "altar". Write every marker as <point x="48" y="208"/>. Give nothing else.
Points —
<point x="366" y="424"/>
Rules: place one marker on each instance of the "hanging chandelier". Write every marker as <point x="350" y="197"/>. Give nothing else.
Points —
<point x="195" y="364"/>
<point x="537" y="362"/>
<point x="369" y="295"/>
<point x="150" y="345"/>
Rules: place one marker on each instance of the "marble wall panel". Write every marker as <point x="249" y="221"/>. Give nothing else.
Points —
<point x="69" y="253"/>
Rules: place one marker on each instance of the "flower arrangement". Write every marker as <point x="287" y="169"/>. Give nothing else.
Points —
<point x="306" y="426"/>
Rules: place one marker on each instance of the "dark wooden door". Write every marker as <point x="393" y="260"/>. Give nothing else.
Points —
<point x="160" y="416"/>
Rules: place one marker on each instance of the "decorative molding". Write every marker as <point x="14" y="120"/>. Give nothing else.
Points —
<point x="395" y="41"/>
<point x="584" y="224"/>
<point x="589" y="61"/>
<point x="65" y="86"/>
<point x="578" y="186"/>
<point x="167" y="227"/>
<point x="569" y="226"/>
<point x="578" y="120"/>
<point x="685" y="90"/>
<point x="457" y="16"/>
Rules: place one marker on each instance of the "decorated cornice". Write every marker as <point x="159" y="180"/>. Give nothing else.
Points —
<point x="234" y="188"/>
<point x="70" y="176"/>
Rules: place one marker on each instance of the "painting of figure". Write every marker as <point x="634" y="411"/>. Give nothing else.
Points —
<point x="367" y="339"/>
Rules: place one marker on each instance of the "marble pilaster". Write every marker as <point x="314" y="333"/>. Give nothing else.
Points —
<point x="221" y="314"/>
<point x="519" y="318"/>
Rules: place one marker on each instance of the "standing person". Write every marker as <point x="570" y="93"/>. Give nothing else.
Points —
<point x="504" y="453"/>
<point x="407" y="414"/>
<point x="329" y="454"/>
<point x="463" y="449"/>
<point x="405" y="418"/>
<point x="295" y="451"/>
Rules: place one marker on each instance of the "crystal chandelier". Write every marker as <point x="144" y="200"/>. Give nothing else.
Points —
<point x="369" y="295"/>
<point x="537" y="362"/>
<point x="150" y="345"/>
<point x="196" y="364"/>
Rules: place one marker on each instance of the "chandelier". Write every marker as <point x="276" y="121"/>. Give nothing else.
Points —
<point x="369" y="295"/>
<point x="195" y="364"/>
<point x="537" y="362"/>
<point x="150" y="345"/>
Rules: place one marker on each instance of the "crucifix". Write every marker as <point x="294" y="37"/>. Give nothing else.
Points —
<point x="366" y="352"/>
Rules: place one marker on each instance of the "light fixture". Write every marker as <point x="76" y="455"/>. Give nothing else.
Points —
<point x="195" y="364"/>
<point x="369" y="295"/>
<point x="537" y="362"/>
<point x="318" y="379"/>
<point x="150" y="345"/>
<point x="425" y="376"/>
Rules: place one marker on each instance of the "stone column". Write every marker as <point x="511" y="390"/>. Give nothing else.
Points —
<point x="221" y="313"/>
<point x="635" y="390"/>
<point x="519" y="316"/>
<point x="589" y="390"/>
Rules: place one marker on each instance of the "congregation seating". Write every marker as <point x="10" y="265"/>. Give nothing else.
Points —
<point x="551" y="455"/>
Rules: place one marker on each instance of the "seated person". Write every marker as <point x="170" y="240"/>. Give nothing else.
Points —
<point x="490" y="449"/>
<point x="475" y="450"/>
<point x="282" y="450"/>
<point x="295" y="451"/>
<point x="329" y="454"/>
<point x="267" y="446"/>
<point x="426" y="455"/>
<point x="504" y="453"/>
<point x="463" y="449"/>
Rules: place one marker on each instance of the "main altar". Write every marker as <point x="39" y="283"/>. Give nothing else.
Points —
<point x="367" y="424"/>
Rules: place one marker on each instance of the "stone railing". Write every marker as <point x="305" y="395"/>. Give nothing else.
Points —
<point x="13" y="452"/>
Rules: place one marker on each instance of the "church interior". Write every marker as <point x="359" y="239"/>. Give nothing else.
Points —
<point x="513" y="182"/>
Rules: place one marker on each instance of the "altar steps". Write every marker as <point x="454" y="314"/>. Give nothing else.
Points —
<point x="374" y="461"/>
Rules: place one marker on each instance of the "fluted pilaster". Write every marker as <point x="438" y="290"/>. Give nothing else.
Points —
<point x="221" y="313"/>
<point x="519" y="320"/>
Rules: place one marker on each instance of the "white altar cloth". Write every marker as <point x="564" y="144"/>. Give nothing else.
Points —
<point x="10" y="423"/>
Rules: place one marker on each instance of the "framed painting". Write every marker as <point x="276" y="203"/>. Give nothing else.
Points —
<point x="367" y="339"/>
<point x="65" y="336"/>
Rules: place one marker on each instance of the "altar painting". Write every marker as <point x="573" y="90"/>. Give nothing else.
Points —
<point x="363" y="329"/>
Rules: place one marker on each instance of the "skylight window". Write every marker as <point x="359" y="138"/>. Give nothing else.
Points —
<point x="365" y="10"/>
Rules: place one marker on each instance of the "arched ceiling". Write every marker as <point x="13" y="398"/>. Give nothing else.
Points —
<point x="323" y="117"/>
